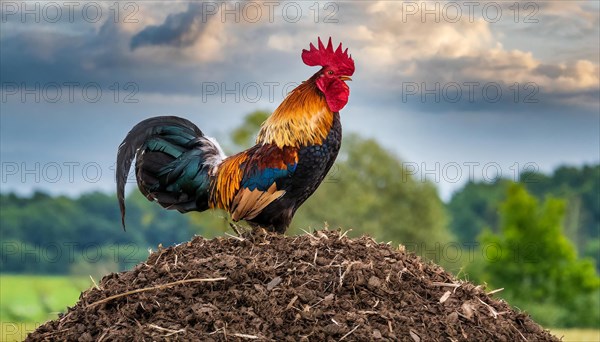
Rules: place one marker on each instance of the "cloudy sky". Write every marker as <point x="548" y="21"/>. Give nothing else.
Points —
<point x="457" y="90"/>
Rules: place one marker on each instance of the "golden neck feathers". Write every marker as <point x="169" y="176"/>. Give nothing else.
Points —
<point x="302" y="119"/>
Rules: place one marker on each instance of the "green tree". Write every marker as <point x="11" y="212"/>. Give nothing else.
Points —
<point x="533" y="260"/>
<point x="475" y="207"/>
<point x="580" y="187"/>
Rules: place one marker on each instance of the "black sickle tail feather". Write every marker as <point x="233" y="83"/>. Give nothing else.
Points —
<point x="173" y="164"/>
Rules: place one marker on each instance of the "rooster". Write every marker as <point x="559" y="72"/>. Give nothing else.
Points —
<point x="180" y="168"/>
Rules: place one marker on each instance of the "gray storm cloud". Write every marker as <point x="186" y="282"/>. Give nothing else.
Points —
<point x="178" y="30"/>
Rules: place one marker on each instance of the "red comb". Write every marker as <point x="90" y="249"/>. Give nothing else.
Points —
<point x="325" y="56"/>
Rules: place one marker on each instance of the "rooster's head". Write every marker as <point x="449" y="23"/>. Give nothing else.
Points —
<point x="337" y="67"/>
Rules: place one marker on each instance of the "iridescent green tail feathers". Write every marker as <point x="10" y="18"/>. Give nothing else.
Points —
<point x="174" y="163"/>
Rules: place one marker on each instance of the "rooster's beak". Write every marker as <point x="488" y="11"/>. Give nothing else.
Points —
<point x="345" y="78"/>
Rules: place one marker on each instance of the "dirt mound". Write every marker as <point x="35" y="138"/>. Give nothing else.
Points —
<point x="315" y="287"/>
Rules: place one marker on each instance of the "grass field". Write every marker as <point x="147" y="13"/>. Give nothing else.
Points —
<point x="577" y="335"/>
<point x="26" y="301"/>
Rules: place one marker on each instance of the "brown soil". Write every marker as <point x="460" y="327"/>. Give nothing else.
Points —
<point x="319" y="287"/>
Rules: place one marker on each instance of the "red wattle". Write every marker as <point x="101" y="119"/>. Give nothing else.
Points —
<point x="336" y="92"/>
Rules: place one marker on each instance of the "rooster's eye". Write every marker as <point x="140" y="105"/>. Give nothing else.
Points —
<point x="330" y="72"/>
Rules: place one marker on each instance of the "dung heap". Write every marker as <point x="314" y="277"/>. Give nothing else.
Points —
<point x="316" y="287"/>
